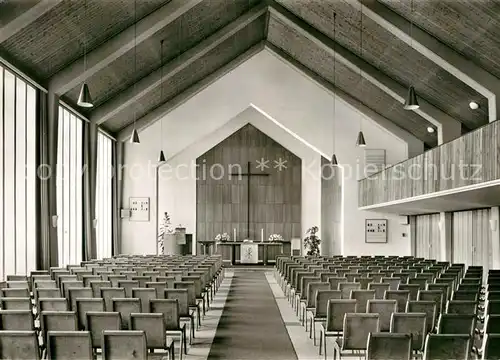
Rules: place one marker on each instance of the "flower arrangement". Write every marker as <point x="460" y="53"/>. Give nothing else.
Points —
<point x="275" y="237"/>
<point x="222" y="237"/>
<point x="312" y="242"/>
<point x="165" y="228"/>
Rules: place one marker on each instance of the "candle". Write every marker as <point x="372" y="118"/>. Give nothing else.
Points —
<point x="234" y="236"/>
<point x="262" y="235"/>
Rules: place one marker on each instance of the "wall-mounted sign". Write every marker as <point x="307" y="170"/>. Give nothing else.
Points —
<point x="376" y="230"/>
<point x="139" y="208"/>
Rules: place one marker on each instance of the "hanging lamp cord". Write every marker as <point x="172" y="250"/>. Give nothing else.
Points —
<point x="135" y="56"/>
<point x="161" y="92"/>
<point x="361" y="55"/>
<point x="334" y="76"/>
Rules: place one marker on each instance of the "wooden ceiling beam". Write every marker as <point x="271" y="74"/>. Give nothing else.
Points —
<point x="442" y="55"/>
<point x="26" y="18"/>
<point x="184" y="96"/>
<point x="415" y="145"/>
<point x="150" y="82"/>
<point x="117" y="46"/>
<point x="448" y="127"/>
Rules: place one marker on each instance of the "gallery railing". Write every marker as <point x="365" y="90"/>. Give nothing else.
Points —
<point x="469" y="160"/>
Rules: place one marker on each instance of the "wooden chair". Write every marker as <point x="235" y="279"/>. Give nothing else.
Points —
<point x="110" y="293"/>
<point x="385" y="309"/>
<point x="462" y="307"/>
<point x="334" y="324"/>
<point x="78" y="293"/>
<point x="379" y="288"/>
<point x="54" y="304"/>
<point x="17" y="320"/>
<point x="427" y="307"/>
<point x="124" y="345"/>
<point x="97" y="322"/>
<point x="389" y="346"/>
<point x="310" y="303"/>
<point x="15" y="292"/>
<point x="347" y="287"/>
<point x="319" y="313"/>
<point x="11" y="303"/>
<point x="19" y="345"/>
<point x="362" y="297"/>
<point x="411" y="323"/>
<point x="401" y="296"/>
<point x="83" y="306"/>
<point x="356" y="329"/>
<point x="96" y="286"/>
<point x="126" y="307"/>
<point x="154" y="327"/>
<point x="456" y="324"/>
<point x="69" y="345"/>
<point x="447" y="346"/>
<point x="145" y="295"/>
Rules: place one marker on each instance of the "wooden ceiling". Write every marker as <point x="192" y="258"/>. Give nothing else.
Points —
<point x="46" y="39"/>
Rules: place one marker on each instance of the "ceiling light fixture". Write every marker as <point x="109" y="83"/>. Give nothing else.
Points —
<point x="334" y="161"/>
<point x="85" y="99"/>
<point x="135" y="135"/>
<point x="430" y="129"/>
<point x="360" y="140"/>
<point x="474" y="105"/>
<point x="411" y="99"/>
<point x="161" y="158"/>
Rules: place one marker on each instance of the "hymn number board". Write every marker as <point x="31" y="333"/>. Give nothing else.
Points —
<point x="376" y="230"/>
<point x="139" y="208"/>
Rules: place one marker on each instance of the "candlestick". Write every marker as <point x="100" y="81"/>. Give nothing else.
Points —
<point x="234" y="237"/>
<point x="261" y="235"/>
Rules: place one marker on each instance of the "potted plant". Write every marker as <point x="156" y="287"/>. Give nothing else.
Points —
<point x="312" y="242"/>
<point x="166" y="229"/>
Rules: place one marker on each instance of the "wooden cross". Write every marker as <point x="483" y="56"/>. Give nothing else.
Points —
<point x="249" y="174"/>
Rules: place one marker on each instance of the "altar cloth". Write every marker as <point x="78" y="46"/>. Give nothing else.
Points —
<point x="249" y="253"/>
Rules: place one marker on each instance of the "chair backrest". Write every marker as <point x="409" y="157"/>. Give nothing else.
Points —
<point x="463" y="307"/>
<point x="335" y="281"/>
<point x="170" y="310"/>
<point x="322" y="298"/>
<point x="388" y="346"/>
<point x="401" y="296"/>
<point x="97" y="322"/>
<point x="492" y="324"/>
<point x="53" y="304"/>
<point x="124" y="345"/>
<point x="19" y="345"/>
<point x="181" y="295"/>
<point x="45" y="284"/>
<point x="411" y="323"/>
<point x="356" y="329"/>
<point x="69" y="345"/>
<point x="46" y="293"/>
<point x="427" y="307"/>
<point x="96" y="286"/>
<point x="78" y="293"/>
<point x="84" y="305"/>
<point x="67" y="284"/>
<point x="392" y="281"/>
<point x="347" y="287"/>
<point x="384" y="308"/>
<point x="11" y="303"/>
<point x="456" y="324"/>
<point x="115" y="279"/>
<point x="167" y="279"/>
<point x="336" y="311"/>
<point x="15" y="292"/>
<point x="159" y="288"/>
<point x="19" y="320"/>
<point x="465" y="295"/>
<point x="380" y="289"/>
<point x="57" y="321"/>
<point x="23" y="284"/>
<point x="362" y="297"/>
<point x="445" y="288"/>
<point x="189" y="285"/>
<point x="492" y="307"/>
<point x="447" y="346"/>
<point x="491" y="347"/>
<point x="109" y="293"/>
<point x="433" y="295"/>
<point x="312" y="290"/>
<point x="142" y="280"/>
<point x="153" y="325"/>
<point x="128" y="285"/>
<point x="126" y="307"/>
<point x="412" y="288"/>
<point x="145" y="295"/>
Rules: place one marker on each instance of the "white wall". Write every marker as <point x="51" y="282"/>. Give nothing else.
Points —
<point x="298" y="107"/>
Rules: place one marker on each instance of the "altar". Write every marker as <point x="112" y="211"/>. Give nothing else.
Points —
<point x="239" y="252"/>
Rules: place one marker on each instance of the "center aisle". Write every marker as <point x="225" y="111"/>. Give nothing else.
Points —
<point x="251" y="326"/>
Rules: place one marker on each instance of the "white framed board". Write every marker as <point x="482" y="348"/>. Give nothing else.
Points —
<point x="139" y="208"/>
<point x="376" y="231"/>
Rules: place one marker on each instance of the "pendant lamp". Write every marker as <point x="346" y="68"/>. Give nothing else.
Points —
<point x="135" y="135"/>
<point x="161" y="158"/>
<point x="84" y="99"/>
<point x="334" y="161"/>
<point x="411" y="100"/>
<point x="360" y="141"/>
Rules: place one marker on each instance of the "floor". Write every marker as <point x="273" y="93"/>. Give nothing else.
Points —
<point x="200" y="350"/>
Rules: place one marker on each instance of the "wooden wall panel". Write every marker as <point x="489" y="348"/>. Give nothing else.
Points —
<point x="427" y="239"/>
<point x="471" y="238"/>
<point x="222" y="201"/>
<point x="471" y="159"/>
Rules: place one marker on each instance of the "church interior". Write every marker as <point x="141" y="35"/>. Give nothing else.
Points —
<point x="249" y="179"/>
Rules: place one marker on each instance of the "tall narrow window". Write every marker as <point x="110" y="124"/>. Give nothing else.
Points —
<point x="104" y="196"/>
<point x="69" y="187"/>
<point x="18" y="129"/>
